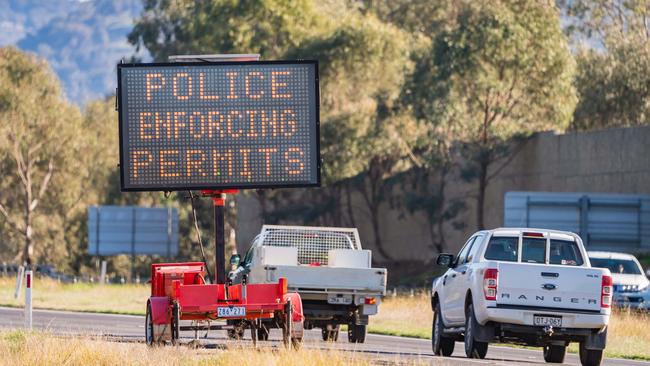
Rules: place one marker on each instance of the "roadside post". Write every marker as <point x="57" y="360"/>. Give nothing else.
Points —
<point x="28" y="299"/>
<point x="102" y="273"/>
<point x="19" y="281"/>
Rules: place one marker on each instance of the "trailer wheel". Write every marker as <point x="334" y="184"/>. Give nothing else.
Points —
<point x="175" y="323"/>
<point x="262" y="332"/>
<point x="286" y="324"/>
<point x="149" y="337"/>
<point x="148" y="327"/>
<point x="331" y="333"/>
<point x="357" y="333"/>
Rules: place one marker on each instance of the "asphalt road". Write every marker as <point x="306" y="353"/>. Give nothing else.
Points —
<point x="387" y="349"/>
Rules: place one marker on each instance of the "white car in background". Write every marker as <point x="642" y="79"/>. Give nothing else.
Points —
<point x="631" y="286"/>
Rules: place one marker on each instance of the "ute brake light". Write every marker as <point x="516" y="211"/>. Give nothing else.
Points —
<point x="606" y="292"/>
<point x="490" y="283"/>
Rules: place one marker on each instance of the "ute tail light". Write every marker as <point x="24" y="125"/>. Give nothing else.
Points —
<point x="606" y="292"/>
<point x="370" y="301"/>
<point x="490" y="283"/>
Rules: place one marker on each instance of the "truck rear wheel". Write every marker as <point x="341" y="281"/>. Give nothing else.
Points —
<point x="554" y="354"/>
<point x="590" y="357"/>
<point x="441" y="346"/>
<point x="473" y="348"/>
<point x="357" y="333"/>
<point x="331" y="333"/>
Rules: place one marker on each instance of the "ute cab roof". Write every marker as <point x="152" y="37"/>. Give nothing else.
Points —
<point x="553" y="234"/>
<point x="611" y="255"/>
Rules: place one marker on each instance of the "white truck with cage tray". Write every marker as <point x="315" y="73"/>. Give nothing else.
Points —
<point x="326" y="266"/>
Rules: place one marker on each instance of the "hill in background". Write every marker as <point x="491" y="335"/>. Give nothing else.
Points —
<point x="82" y="40"/>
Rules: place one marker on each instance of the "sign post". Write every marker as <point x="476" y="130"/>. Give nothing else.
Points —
<point x="28" y="299"/>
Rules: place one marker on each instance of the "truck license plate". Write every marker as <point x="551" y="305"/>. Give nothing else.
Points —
<point x="544" y="320"/>
<point x="229" y="312"/>
<point x="340" y="299"/>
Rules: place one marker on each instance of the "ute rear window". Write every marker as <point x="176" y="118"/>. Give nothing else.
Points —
<point x="502" y="248"/>
<point x="565" y="253"/>
<point x="562" y="252"/>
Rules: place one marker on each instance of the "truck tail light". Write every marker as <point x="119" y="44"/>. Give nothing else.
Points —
<point x="370" y="301"/>
<point x="490" y="283"/>
<point x="606" y="292"/>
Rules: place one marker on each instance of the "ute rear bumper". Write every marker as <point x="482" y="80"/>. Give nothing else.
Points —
<point x="524" y="316"/>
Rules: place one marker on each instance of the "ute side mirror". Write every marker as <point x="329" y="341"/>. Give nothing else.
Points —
<point x="234" y="260"/>
<point x="445" y="260"/>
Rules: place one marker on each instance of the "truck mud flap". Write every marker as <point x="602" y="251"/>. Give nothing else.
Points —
<point x="596" y="340"/>
<point x="484" y="333"/>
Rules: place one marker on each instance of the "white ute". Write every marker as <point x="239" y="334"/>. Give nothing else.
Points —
<point x="327" y="267"/>
<point x="532" y="287"/>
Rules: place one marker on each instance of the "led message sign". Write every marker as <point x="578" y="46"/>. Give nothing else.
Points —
<point x="218" y="125"/>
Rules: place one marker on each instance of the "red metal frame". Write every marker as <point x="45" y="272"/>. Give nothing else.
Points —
<point x="183" y="284"/>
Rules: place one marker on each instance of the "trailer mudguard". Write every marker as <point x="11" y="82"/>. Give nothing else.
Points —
<point x="297" y="316"/>
<point x="160" y="310"/>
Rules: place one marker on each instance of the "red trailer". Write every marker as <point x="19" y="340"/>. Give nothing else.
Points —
<point x="179" y="292"/>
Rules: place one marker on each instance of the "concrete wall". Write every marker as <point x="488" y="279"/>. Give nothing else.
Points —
<point x="612" y="161"/>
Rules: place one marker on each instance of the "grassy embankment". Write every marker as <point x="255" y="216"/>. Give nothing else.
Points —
<point x="35" y="348"/>
<point x="402" y="315"/>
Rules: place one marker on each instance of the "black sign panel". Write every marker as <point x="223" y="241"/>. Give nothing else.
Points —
<point x="219" y="125"/>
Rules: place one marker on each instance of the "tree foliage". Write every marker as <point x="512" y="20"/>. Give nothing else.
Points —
<point x="38" y="150"/>
<point x="502" y="68"/>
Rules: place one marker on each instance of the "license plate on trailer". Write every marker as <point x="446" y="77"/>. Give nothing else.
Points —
<point x="229" y="312"/>
<point x="544" y="320"/>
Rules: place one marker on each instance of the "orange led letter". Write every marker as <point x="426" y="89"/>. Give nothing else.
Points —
<point x="175" y="86"/>
<point x="202" y="94"/>
<point x="276" y="84"/>
<point x="139" y="159"/>
<point x="149" y="85"/>
<point x="298" y="165"/>
<point x="247" y="84"/>
<point x="144" y="125"/>
<point x="267" y="158"/>
<point x="195" y="163"/>
<point x="231" y="85"/>
<point x="166" y="163"/>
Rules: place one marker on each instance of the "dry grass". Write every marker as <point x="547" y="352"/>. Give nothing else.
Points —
<point x="628" y="335"/>
<point x="32" y="348"/>
<point x="404" y="316"/>
<point x="50" y="294"/>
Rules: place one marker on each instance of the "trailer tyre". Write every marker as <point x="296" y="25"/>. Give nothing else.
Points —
<point x="554" y="354"/>
<point x="262" y="333"/>
<point x="590" y="357"/>
<point x="175" y="323"/>
<point x="357" y="333"/>
<point x="331" y="333"/>
<point x="473" y="348"/>
<point x="441" y="346"/>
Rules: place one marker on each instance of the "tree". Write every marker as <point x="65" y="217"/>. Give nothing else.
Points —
<point x="499" y="69"/>
<point x="612" y="38"/>
<point x="38" y="146"/>
<point x="222" y="26"/>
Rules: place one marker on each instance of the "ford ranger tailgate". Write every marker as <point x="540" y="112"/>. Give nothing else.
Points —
<point x="549" y="286"/>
